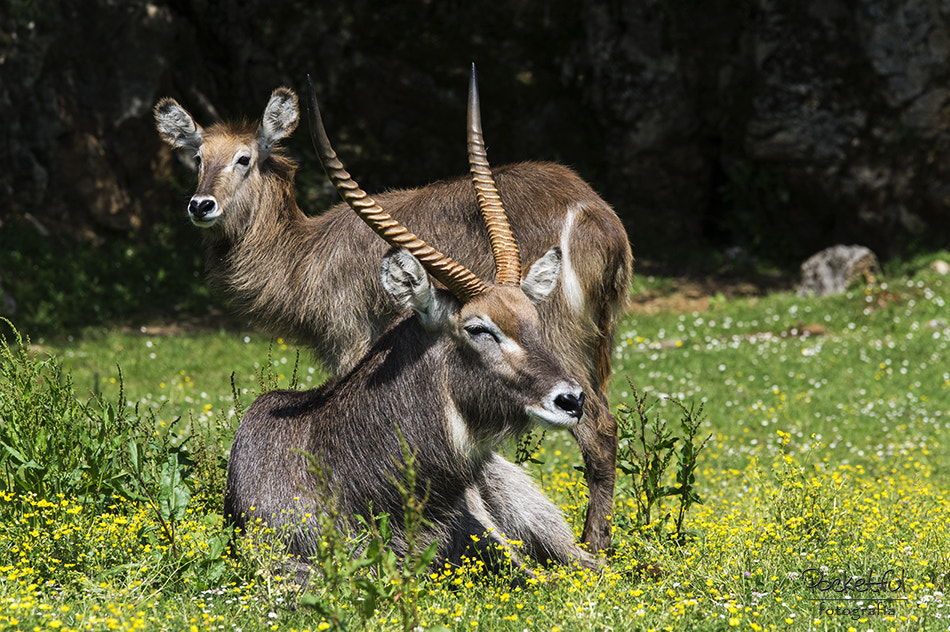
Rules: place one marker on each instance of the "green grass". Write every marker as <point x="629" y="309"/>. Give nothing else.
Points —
<point x="828" y="452"/>
<point x="183" y="374"/>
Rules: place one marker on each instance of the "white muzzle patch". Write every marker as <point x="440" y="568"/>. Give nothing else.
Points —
<point x="204" y="211"/>
<point x="562" y="408"/>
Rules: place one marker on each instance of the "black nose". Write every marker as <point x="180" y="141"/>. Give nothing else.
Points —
<point x="200" y="208"/>
<point x="572" y="404"/>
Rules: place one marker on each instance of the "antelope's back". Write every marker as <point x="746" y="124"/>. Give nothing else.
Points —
<point x="547" y="205"/>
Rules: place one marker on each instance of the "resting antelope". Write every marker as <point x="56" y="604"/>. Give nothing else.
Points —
<point x="465" y="370"/>
<point x="315" y="279"/>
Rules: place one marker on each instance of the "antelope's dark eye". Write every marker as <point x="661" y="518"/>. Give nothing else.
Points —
<point x="198" y="160"/>
<point x="244" y="161"/>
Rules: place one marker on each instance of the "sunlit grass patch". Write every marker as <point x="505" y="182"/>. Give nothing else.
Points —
<point x="829" y="421"/>
<point x="780" y="516"/>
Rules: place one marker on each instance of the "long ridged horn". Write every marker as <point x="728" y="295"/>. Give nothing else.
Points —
<point x="503" y="244"/>
<point x="456" y="277"/>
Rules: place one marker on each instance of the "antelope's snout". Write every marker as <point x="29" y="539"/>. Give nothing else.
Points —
<point x="203" y="210"/>
<point x="562" y="408"/>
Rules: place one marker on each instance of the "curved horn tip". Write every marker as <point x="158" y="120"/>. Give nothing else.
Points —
<point x="311" y="92"/>
<point x="474" y="107"/>
<point x="318" y="133"/>
<point x="312" y="96"/>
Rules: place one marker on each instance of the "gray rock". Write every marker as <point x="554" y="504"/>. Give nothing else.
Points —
<point x="940" y="266"/>
<point x="833" y="269"/>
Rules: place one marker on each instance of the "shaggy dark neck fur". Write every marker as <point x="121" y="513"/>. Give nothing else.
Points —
<point x="405" y="362"/>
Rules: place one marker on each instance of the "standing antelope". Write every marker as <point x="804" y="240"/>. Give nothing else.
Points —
<point x="314" y="278"/>
<point x="467" y="370"/>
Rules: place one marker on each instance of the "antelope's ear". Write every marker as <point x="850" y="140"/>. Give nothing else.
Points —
<point x="406" y="281"/>
<point x="542" y="277"/>
<point x="280" y="118"/>
<point x="175" y="125"/>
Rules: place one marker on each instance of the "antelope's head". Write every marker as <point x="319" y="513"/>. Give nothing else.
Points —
<point x="492" y="326"/>
<point x="232" y="158"/>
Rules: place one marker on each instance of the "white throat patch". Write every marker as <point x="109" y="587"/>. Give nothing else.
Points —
<point x="458" y="431"/>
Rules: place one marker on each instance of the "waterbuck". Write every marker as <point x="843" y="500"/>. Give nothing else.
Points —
<point x="315" y="279"/>
<point x="467" y="369"/>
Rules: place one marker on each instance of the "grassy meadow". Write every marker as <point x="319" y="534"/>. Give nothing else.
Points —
<point x="821" y="499"/>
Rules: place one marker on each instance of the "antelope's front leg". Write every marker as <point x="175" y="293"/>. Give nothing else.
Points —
<point x="523" y="513"/>
<point x="597" y="439"/>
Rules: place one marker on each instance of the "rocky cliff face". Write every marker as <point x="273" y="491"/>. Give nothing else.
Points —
<point x="781" y="127"/>
<point x="78" y="83"/>
<point x="777" y="125"/>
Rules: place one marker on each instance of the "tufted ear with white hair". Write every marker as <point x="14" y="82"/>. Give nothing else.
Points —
<point x="542" y="277"/>
<point x="405" y="279"/>
<point x="176" y="126"/>
<point x="279" y="120"/>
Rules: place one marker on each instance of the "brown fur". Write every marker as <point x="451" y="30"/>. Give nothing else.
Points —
<point x="315" y="279"/>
